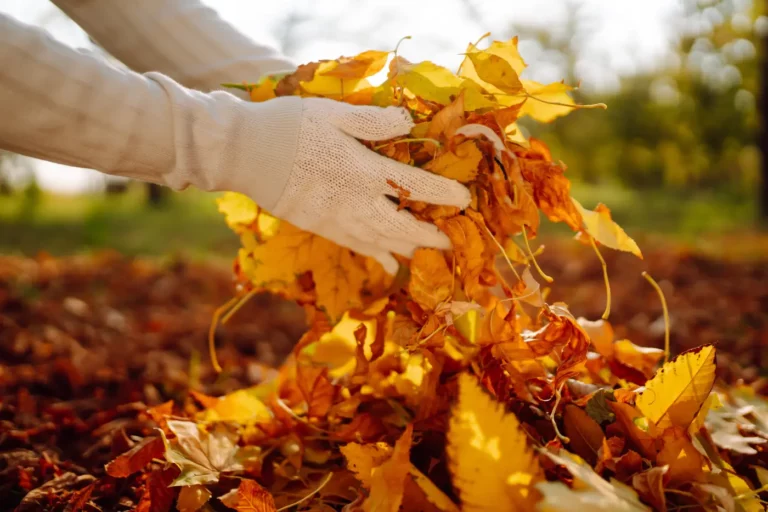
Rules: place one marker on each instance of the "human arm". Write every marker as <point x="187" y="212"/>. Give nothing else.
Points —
<point x="183" y="39"/>
<point x="298" y="158"/>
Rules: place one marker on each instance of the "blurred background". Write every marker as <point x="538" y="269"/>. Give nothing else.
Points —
<point x="680" y="152"/>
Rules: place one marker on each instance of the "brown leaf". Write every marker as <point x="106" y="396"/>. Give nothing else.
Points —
<point x="316" y="388"/>
<point x="79" y="499"/>
<point x="650" y="486"/>
<point x="585" y="434"/>
<point x="136" y="458"/>
<point x="158" y="496"/>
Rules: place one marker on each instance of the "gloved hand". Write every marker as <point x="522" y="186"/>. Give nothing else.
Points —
<point x="336" y="187"/>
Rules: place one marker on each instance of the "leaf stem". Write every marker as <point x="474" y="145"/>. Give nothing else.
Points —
<point x="607" y="311"/>
<point x="305" y="498"/>
<point x="602" y="106"/>
<point x="212" y="332"/>
<point x="413" y="139"/>
<point x="237" y="306"/>
<point x="664" y="308"/>
<point x="533" y="258"/>
<point x="502" y="251"/>
<point x="558" y="394"/>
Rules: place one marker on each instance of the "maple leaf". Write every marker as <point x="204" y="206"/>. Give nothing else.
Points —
<point x="338" y="274"/>
<point x="201" y="456"/>
<point x="589" y="491"/>
<point x="674" y="396"/>
<point x="492" y="466"/>
<point x="599" y="225"/>
<point x="431" y="280"/>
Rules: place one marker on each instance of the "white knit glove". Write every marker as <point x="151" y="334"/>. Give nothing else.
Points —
<point x="336" y="187"/>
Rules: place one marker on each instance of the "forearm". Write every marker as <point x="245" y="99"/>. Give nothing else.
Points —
<point x="183" y="39"/>
<point x="72" y="108"/>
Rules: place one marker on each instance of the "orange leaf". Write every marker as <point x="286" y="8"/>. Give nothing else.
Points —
<point x="468" y="246"/>
<point x="431" y="279"/>
<point x="641" y="433"/>
<point x="388" y="480"/>
<point x="251" y="497"/>
<point x="585" y="434"/>
<point x="685" y="462"/>
<point x="136" y="458"/>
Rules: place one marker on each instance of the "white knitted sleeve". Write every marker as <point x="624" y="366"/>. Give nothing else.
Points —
<point x="183" y="39"/>
<point x="74" y="108"/>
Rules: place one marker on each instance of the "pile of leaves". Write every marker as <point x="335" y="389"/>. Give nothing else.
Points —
<point x="454" y="385"/>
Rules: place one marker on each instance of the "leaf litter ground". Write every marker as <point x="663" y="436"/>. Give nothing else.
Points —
<point x="463" y="383"/>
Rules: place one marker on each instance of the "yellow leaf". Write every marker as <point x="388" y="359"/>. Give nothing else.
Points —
<point x="600" y="334"/>
<point x="712" y="403"/>
<point x="547" y="102"/>
<point x="589" y="492"/>
<point x="336" y="349"/>
<point x="240" y="406"/>
<point x="363" y="458"/>
<point x="431" y="279"/>
<point x="496" y="71"/>
<point x="436" y="83"/>
<point x="264" y="91"/>
<point x="360" y="66"/>
<point x="685" y="462"/>
<point x="461" y="164"/>
<point x="675" y="394"/>
<point x="238" y="209"/>
<point x="508" y="53"/>
<point x="338" y="274"/>
<point x="330" y="86"/>
<point x="599" y="225"/>
<point x="432" y="493"/>
<point x="446" y="121"/>
<point x="388" y="479"/>
<point x="192" y="498"/>
<point x="488" y="455"/>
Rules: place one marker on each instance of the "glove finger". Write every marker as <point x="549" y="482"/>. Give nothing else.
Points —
<point x="403" y="226"/>
<point x="372" y="123"/>
<point x="423" y="185"/>
<point x="386" y="260"/>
